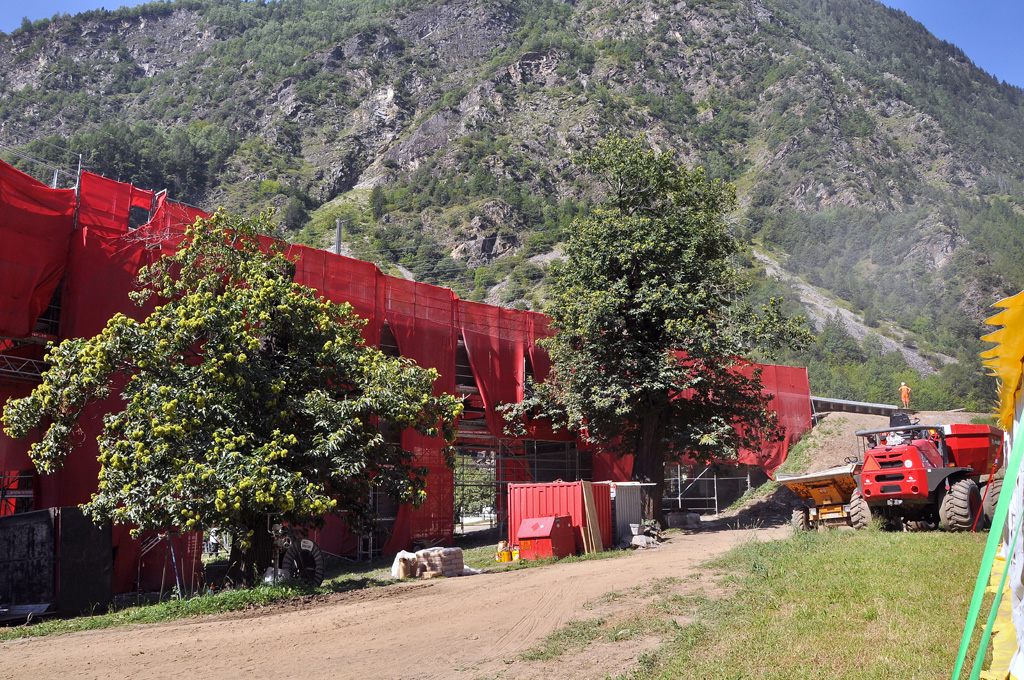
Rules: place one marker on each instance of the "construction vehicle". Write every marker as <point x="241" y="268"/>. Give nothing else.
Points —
<point x="830" y="498"/>
<point x="921" y="476"/>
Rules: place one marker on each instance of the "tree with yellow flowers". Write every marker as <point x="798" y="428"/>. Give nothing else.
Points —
<point x="244" y="396"/>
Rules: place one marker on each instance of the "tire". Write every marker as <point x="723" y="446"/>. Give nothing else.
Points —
<point x="960" y="505"/>
<point x="994" y="487"/>
<point x="305" y="564"/>
<point x="860" y="511"/>
<point x="800" y="520"/>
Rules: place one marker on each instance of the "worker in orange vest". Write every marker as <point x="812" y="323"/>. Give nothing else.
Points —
<point x="905" y="394"/>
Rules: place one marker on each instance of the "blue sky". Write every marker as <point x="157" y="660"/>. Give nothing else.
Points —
<point x="989" y="31"/>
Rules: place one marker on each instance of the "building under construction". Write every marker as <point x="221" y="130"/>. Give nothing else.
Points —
<point x="70" y="257"/>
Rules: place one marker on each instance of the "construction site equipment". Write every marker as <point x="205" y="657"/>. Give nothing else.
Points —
<point x="932" y="475"/>
<point x="295" y="557"/>
<point x="543" y="537"/>
<point x="830" y="498"/>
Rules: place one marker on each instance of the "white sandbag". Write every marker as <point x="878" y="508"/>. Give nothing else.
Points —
<point x="404" y="565"/>
<point x="642" y="542"/>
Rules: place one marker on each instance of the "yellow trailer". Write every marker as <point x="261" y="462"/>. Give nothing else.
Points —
<point x="830" y="498"/>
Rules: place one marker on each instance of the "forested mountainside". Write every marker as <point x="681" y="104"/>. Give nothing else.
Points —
<point x="872" y="160"/>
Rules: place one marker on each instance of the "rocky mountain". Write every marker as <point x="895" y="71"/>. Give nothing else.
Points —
<point x="873" y="160"/>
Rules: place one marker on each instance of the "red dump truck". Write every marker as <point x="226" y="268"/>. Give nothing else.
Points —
<point x="932" y="475"/>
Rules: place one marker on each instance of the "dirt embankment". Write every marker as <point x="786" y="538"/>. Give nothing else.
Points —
<point x="834" y="439"/>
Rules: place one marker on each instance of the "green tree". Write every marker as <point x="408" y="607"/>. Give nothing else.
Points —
<point x="295" y="215"/>
<point x="647" y="358"/>
<point x="244" y="396"/>
<point x="378" y="202"/>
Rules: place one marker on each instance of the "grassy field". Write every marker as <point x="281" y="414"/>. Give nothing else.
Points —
<point x="836" y="605"/>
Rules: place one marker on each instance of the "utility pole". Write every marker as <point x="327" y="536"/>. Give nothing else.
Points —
<point x="337" y="235"/>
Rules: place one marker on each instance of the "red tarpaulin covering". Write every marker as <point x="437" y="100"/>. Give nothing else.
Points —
<point x="168" y="216"/>
<point x="100" y="262"/>
<point x="104" y="268"/>
<point x="106" y="203"/>
<point x="421" y="317"/>
<point x="539" y="329"/>
<point x="611" y="468"/>
<point x="792" y="403"/>
<point x="35" y="228"/>
<point x="342" y="279"/>
<point x="495" y="342"/>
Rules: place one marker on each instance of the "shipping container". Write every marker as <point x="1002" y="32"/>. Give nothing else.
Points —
<point x="555" y="499"/>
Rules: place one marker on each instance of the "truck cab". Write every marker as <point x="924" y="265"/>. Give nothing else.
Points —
<point x="902" y="469"/>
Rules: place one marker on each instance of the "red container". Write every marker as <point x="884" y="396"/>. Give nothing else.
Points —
<point x="974" y="446"/>
<point x="557" y="499"/>
<point x="541" y="537"/>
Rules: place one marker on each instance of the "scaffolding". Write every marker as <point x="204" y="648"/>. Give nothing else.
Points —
<point x="385" y="511"/>
<point x="21" y="369"/>
<point x="17" y="492"/>
<point x="702" y="489"/>
<point x="14" y="368"/>
<point x="486" y="465"/>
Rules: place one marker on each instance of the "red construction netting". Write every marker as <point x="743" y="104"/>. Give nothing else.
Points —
<point x="104" y="268"/>
<point x="106" y="203"/>
<point x="792" y="403"/>
<point x="168" y="217"/>
<point x="434" y="520"/>
<point x="100" y="261"/>
<point x="342" y="279"/>
<point x="495" y="342"/>
<point x="36" y="224"/>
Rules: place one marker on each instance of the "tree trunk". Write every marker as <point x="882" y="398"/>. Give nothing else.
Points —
<point x="246" y="566"/>
<point x="649" y="465"/>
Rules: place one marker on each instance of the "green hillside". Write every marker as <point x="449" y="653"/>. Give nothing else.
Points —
<point x="873" y="161"/>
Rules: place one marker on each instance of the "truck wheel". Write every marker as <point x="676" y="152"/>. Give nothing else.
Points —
<point x="800" y="520"/>
<point x="860" y="512"/>
<point x="960" y="505"/>
<point x="991" y="498"/>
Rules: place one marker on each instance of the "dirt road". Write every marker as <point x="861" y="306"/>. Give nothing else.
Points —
<point x="467" y="627"/>
<point x="464" y="628"/>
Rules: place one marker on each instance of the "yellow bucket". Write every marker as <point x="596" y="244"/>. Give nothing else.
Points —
<point x="503" y="556"/>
